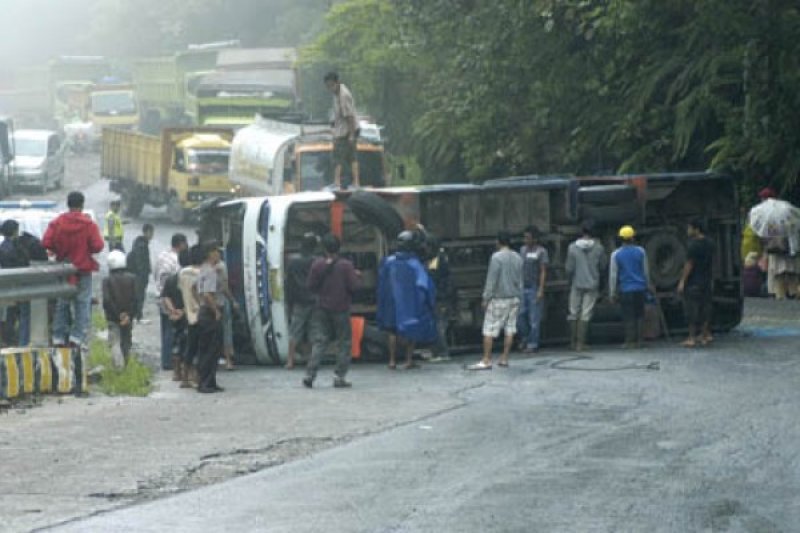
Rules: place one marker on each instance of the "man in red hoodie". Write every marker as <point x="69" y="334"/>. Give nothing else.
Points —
<point x="74" y="237"/>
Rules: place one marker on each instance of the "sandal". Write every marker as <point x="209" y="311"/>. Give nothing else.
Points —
<point x="392" y="366"/>
<point x="688" y="344"/>
<point x="410" y="366"/>
<point x="501" y="363"/>
<point x="480" y="366"/>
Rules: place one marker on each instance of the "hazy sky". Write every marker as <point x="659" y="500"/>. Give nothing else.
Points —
<point x="31" y="31"/>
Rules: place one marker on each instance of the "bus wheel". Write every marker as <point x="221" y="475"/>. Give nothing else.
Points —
<point x="371" y="208"/>
<point x="666" y="254"/>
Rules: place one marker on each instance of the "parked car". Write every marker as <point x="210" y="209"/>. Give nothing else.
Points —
<point x="39" y="160"/>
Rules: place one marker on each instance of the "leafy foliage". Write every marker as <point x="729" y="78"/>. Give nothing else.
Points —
<point x="483" y="89"/>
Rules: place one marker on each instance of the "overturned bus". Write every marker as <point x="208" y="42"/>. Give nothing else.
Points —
<point x="261" y="234"/>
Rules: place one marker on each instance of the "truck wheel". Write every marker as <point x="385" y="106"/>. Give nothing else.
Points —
<point x="607" y="194"/>
<point x="371" y="208"/>
<point x="666" y="255"/>
<point x="176" y="212"/>
<point x="132" y="204"/>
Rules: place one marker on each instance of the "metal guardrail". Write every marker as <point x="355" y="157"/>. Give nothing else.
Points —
<point x="36" y="282"/>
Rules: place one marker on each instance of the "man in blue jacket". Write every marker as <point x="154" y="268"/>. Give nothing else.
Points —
<point x="629" y="276"/>
<point x="406" y="299"/>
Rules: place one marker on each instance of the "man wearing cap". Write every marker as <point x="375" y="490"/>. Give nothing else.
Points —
<point x="629" y="279"/>
<point x="74" y="237"/>
<point x="114" y="230"/>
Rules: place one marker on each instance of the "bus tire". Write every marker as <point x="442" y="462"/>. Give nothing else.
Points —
<point x="371" y="208"/>
<point x="374" y="344"/>
<point x="666" y="255"/>
<point x="607" y="194"/>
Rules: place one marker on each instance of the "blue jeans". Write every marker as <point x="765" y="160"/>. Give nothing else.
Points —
<point x="167" y="334"/>
<point x="530" y="318"/>
<point x="81" y="308"/>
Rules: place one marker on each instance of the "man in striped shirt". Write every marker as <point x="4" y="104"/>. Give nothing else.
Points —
<point x="166" y="265"/>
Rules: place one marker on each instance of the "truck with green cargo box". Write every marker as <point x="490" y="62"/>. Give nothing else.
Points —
<point x="247" y="82"/>
<point x="166" y="86"/>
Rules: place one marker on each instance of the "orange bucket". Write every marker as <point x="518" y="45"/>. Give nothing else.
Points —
<point x="357" y="328"/>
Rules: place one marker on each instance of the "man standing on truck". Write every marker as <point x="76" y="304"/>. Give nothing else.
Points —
<point x="586" y="259"/>
<point x="298" y="296"/>
<point x="345" y="129"/>
<point x="534" y="277"/>
<point x="139" y="266"/>
<point x="166" y="265"/>
<point x="629" y="275"/>
<point x="74" y="237"/>
<point x="696" y="285"/>
<point x="115" y="233"/>
<point x="501" y="296"/>
<point x="334" y="280"/>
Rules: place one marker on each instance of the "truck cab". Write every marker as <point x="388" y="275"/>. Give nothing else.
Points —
<point x="112" y="105"/>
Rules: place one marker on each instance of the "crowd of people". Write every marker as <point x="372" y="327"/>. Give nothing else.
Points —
<point x="415" y="297"/>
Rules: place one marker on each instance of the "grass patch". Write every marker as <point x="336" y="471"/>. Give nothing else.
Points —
<point x="99" y="321"/>
<point x="134" y="380"/>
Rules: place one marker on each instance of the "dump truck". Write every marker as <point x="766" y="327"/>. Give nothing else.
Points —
<point x="272" y="157"/>
<point x="51" y="95"/>
<point x="96" y="106"/>
<point x="247" y="82"/>
<point x="166" y="86"/>
<point x="180" y="168"/>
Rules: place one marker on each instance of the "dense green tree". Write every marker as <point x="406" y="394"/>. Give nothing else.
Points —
<point x="544" y="86"/>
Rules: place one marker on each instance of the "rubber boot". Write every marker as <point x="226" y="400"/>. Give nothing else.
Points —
<point x="176" y="369"/>
<point x="583" y="329"/>
<point x="573" y="334"/>
<point x="630" y="335"/>
<point x="185" y="370"/>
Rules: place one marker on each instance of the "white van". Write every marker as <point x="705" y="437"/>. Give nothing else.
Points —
<point x="39" y="160"/>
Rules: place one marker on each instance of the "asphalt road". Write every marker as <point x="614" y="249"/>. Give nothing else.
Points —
<point x="705" y="443"/>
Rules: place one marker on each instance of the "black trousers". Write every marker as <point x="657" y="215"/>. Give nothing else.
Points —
<point x="190" y="354"/>
<point x="141" y="294"/>
<point x="632" y="306"/>
<point x="209" y="346"/>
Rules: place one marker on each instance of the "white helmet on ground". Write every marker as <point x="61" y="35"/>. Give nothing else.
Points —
<point x="116" y="260"/>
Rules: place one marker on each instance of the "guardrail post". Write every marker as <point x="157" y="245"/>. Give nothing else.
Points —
<point x="40" y="323"/>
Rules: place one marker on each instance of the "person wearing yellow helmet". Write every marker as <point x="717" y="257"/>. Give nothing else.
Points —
<point x="630" y="277"/>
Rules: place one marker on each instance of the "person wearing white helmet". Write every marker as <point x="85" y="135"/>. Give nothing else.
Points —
<point x="119" y="305"/>
<point x="629" y="275"/>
